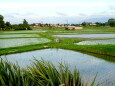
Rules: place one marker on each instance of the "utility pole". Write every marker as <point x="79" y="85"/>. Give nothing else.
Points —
<point x="67" y="23"/>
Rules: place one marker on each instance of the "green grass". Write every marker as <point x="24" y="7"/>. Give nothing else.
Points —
<point x="69" y="44"/>
<point x="104" y="50"/>
<point x="42" y="73"/>
<point x="85" y="30"/>
<point x="20" y="49"/>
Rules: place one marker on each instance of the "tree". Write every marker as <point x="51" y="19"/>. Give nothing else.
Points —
<point x="98" y="24"/>
<point x="26" y="25"/>
<point x="85" y="24"/>
<point x="1" y="22"/>
<point x="111" y="22"/>
<point x="8" y="26"/>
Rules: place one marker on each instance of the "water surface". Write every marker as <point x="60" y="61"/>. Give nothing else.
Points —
<point x="6" y="43"/>
<point x="86" y="64"/>
<point x="19" y="35"/>
<point x="31" y="31"/>
<point x="97" y="42"/>
<point x="95" y="36"/>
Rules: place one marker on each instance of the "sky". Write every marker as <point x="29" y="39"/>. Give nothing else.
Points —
<point x="57" y="11"/>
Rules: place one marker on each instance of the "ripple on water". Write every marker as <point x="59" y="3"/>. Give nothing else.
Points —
<point x="95" y="36"/>
<point x="97" y="42"/>
<point x="87" y="65"/>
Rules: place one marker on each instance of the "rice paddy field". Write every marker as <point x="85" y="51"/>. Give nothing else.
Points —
<point x="6" y="43"/>
<point x="90" y="36"/>
<point x="18" y="35"/>
<point x="14" y="40"/>
<point x="97" y="42"/>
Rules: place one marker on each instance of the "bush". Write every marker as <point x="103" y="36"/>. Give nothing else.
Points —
<point x="42" y="73"/>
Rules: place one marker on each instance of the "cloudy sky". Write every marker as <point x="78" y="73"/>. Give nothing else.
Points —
<point x="57" y="11"/>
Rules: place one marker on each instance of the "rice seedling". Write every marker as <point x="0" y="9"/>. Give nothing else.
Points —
<point x="42" y="73"/>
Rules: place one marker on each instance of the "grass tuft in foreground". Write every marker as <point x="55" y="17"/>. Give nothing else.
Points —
<point x="42" y="73"/>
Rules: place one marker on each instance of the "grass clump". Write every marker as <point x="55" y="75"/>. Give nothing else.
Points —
<point x="42" y="73"/>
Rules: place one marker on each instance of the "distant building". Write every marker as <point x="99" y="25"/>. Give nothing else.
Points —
<point x="73" y="28"/>
<point x="57" y="25"/>
<point x="92" y="24"/>
<point x="53" y="25"/>
<point x="36" y="26"/>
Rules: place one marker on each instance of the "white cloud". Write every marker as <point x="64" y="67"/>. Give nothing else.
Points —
<point x="111" y="6"/>
<point x="56" y="12"/>
<point x="22" y="5"/>
<point x="61" y="14"/>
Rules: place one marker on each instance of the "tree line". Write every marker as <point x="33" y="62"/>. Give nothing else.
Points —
<point x="7" y="25"/>
<point x="25" y="26"/>
<point x="110" y="22"/>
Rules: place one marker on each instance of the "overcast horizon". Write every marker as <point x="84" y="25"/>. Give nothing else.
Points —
<point x="53" y="11"/>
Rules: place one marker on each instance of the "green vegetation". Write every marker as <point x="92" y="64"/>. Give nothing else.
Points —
<point x="104" y="50"/>
<point x="1" y="22"/>
<point x="64" y="43"/>
<point x="111" y="22"/>
<point x="8" y="26"/>
<point x="24" y="26"/>
<point x="42" y="73"/>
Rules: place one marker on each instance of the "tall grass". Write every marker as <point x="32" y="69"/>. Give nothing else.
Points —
<point x="42" y="73"/>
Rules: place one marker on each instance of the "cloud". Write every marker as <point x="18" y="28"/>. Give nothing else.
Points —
<point x="57" y="12"/>
<point x="102" y="17"/>
<point x="18" y="17"/>
<point x="54" y="4"/>
<point x="82" y="14"/>
<point x="61" y="14"/>
<point x="111" y="6"/>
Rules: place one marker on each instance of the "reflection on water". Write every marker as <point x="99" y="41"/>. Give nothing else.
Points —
<point x="32" y="31"/>
<point x="5" y="43"/>
<point x="96" y="36"/>
<point x="86" y="64"/>
<point x="19" y="35"/>
<point x="96" y="42"/>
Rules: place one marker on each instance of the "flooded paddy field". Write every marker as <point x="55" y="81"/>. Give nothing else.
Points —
<point x="18" y="35"/>
<point x="31" y="31"/>
<point x="87" y="65"/>
<point x="6" y="43"/>
<point x="94" y="36"/>
<point x="97" y="42"/>
<point x="8" y="40"/>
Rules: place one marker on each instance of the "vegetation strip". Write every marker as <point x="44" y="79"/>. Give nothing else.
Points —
<point x="104" y="50"/>
<point x="42" y="73"/>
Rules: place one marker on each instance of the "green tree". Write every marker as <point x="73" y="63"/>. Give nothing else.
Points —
<point x="85" y="24"/>
<point x="15" y="27"/>
<point x="1" y="22"/>
<point x="26" y="25"/>
<point x="8" y="26"/>
<point x="18" y="27"/>
<point x="111" y="22"/>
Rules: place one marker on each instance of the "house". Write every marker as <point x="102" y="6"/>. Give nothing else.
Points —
<point x="36" y="26"/>
<point x="53" y="25"/>
<point x="92" y="24"/>
<point x="73" y="28"/>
